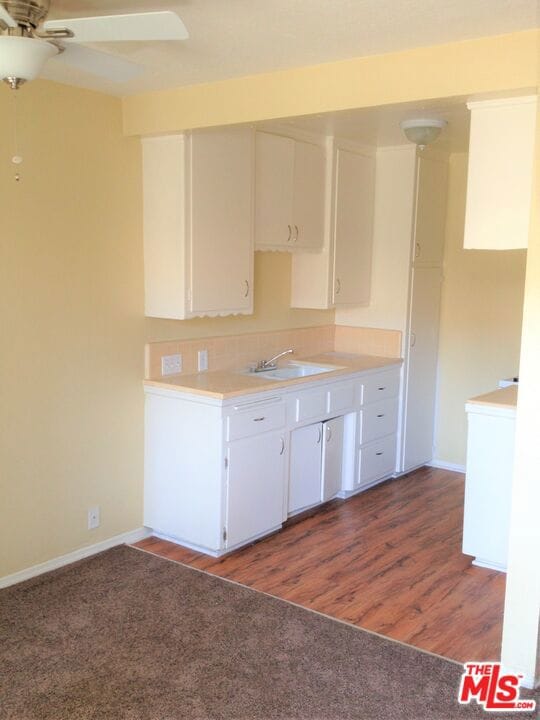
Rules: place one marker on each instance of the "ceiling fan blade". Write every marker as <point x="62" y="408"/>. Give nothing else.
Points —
<point x="5" y="18"/>
<point x="98" y="63"/>
<point x="164" y="25"/>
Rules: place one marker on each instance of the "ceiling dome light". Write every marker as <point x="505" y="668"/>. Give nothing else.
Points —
<point x="22" y="58"/>
<point x="422" y="131"/>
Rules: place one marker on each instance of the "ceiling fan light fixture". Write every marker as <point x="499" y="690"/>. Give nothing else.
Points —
<point x="422" y="131"/>
<point x="22" y="58"/>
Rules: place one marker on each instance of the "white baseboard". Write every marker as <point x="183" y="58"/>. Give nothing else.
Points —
<point x="447" y="466"/>
<point x="125" y="538"/>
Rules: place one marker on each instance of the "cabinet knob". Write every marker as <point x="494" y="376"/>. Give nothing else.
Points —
<point x="247" y="288"/>
<point x="382" y="388"/>
<point x="379" y="453"/>
<point x="381" y="415"/>
<point x="259" y="419"/>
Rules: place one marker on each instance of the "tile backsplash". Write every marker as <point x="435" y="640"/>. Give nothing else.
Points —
<point x="367" y="341"/>
<point x="238" y="351"/>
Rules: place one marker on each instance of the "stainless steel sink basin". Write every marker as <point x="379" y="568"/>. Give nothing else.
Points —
<point x="295" y="370"/>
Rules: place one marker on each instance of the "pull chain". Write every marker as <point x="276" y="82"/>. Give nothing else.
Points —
<point x="17" y="158"/>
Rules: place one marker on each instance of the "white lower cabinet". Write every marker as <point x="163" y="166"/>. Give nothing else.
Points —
<point x="222" y="473"/>
<point x="332" y="458"/>
<point x="316" y="464"/>
<point x="305" y="470"/>
<point x="377" y="428"/>
<point x="376" y="431"/>
<point x="255" y="487"/>
<point x="488" y="483"/>
<point x="376" y="459"/>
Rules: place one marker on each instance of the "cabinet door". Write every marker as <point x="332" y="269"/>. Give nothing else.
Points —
<point x="501" y="172"/>
<point x="255" y="486"/>
<point x="332" y="457"/>
<point x="309" y="195"/>
<point x="221" y="220"/>
<point x="305" y="467"/>
<point x="422" y="368"/>
<point x="353" y="228"/>
<point x="274" y="181"/>
<point x="431" y="194"/>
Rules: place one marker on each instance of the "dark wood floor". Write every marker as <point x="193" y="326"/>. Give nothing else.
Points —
<point x="388" y="560"/>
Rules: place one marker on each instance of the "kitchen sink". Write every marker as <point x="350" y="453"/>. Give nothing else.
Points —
<point x="295" y="370"/>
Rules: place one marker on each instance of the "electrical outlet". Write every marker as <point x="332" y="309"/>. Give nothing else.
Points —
<point x="202" y="358"/>
<point x="93" y="517"/>
<point x="171" y="364"/>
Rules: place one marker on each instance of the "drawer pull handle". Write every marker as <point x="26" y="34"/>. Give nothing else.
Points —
<point x="282" y="446"/>
<point x="290" y="233"/>
<point x="379" y="453"/>
<point x="382" y="388"/>
<point x="381" y="415"/>
<point x="328" y="434"/>
<point x="319" y="436"/>
<point x="259" y="419"/>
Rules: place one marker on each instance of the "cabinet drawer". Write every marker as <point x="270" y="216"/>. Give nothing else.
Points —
<point x="255" y="419"/>
<point x="380" y="386"/>
<point x="377" y="459"/>
<point x="377" y="420"/>
<point x="310" y="405"/>
<point x="340" y="398"/>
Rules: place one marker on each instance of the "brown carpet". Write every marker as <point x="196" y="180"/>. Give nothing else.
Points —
<point x="129" y="636"/>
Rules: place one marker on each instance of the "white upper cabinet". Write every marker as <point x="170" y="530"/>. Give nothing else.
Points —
<point x="353" y="228"/>
<point x="289" y="193"/>
<point x="499" y="184"/>
<point x="198" y="223"/>
<point x="341" y="273"/>
<point x="274" y="183"/>
<point x="309" y="195"/>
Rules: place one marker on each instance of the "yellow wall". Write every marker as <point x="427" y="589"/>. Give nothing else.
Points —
<point x="73" y="331"/>
<point x="272" y="309"/>
<point x="71" y="319"/>
<point x="480" y="328"/>
<point x="502" y="63"/>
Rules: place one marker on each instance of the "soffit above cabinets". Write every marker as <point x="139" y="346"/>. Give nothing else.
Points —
<point x="379" y="126"/>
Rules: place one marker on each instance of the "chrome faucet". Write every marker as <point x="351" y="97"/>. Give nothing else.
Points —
<point x="264" y="365"/>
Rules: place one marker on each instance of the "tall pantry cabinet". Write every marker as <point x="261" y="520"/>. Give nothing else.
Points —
<point x="422" y="328"/>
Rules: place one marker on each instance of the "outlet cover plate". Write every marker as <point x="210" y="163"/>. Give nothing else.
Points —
<point x="202" y="360"/>
<point x="93" y="517"/>
<point x="171" y="364"/>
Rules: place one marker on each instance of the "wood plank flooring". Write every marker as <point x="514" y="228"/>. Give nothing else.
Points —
<point x="388" y="560"/>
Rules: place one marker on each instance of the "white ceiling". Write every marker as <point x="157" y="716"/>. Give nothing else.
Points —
<point x="379" y="126"/>
<point x="232" y="38"/>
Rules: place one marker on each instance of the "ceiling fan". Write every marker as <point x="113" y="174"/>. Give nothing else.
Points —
<point x="28" y="40"/>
